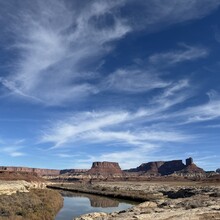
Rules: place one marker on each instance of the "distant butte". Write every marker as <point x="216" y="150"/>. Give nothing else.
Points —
<point x="105" y="168"/>
<point x="168" y="167"/>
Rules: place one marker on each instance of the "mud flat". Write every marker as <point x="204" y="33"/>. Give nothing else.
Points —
<point x="162" y="200"/>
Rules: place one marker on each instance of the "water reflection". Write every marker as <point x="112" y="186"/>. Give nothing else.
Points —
<point x="96" y="201"/>
<point x="76" y="204"/>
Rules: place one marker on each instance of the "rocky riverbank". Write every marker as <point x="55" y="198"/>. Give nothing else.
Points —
<point x="163" y="200"/>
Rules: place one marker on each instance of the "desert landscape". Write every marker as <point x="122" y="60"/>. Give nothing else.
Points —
<point x="162" y="190"/>
<point x="109" y="109"/>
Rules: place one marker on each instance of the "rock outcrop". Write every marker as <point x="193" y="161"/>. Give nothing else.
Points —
<point x="218" y="170"/>
<point x="167" y="167"/>
<point x="11" y="187"/>
<point x="73" y="171"/>
<point x="192" y="168"/>
<point x="40" y="172"/>
<point x="43" y="172"/>
<point x="105" y="169"/>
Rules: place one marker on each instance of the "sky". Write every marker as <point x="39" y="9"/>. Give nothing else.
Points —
<point x="129" y="81"/>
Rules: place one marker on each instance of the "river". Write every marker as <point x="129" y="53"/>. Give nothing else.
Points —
<point x="76" y="204"/>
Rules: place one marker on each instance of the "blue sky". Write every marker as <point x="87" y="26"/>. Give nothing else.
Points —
<point x="129" y="81"/>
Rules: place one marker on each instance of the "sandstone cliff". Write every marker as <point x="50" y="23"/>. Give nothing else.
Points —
<point x="105" y="169"/>
<point x="168" y="167"/>
<point x="40" y="172"/>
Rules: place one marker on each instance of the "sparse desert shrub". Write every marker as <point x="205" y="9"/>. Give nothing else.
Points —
<point x="38" y="204"/>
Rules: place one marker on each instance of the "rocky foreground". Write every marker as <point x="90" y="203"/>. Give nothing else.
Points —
<point x="189" y="200"/>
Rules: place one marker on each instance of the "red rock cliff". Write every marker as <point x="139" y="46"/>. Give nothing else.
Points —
<point x="105" y="168"/>
<point x="40" y="172"/>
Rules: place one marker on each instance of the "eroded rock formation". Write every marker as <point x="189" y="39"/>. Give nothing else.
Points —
<point x="168" y="167"/>
<point x="40" y="172"/>
<point x="73" y="171"/>
<point x="105" y="168"/>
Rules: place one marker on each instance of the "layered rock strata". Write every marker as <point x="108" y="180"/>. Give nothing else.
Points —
<point x="105" y="168"/>
<point x="41" y="172"/>
<point x="168" y="167"/>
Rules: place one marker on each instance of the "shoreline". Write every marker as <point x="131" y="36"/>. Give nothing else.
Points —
<point x="164" y="200"/>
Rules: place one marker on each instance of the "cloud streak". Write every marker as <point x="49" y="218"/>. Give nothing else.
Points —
<point x="53" y="41"/>
<point x="178" y="56"/>
<point x="59" y="44"/>
<point x="106" y="127"/>
<point x="134" y="81"/>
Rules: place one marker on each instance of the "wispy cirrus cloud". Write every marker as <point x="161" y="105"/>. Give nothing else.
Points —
<point x="156" y="15"/>
<point x="188" y="53"/>
<point x="134" y="81"/>
<point x="13" y="148"/>
<point x="58" y="43"/>
<point x="107" y="127"/>
<point x="177" y="93"/>
<point x="53" y="41"/>
<point x="204" y="112"/>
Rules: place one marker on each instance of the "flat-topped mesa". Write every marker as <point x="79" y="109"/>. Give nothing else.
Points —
<point x="39" y="171"/>
<point x="168" y="167"/>
<point x="105" y="168"/>
<point x="160" y="167"/>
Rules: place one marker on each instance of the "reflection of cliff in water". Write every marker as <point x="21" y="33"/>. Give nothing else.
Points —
<point x="95" y="201"/>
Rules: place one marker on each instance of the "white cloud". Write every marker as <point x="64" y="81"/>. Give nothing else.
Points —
<point x="156" y="15"/>
<point x="133" y="81"/>
<point x="189" y="53"/>
<point x="57" y="41"/>
<point x="178" y="92"/>
<point x="14" y="151"/>
<point x="13" y="148"/>
<point x="53" y="43"/>
<point x="108" y="127"/>
<point x="204" y="112"/>
<point x="63" y="155"/>
<point x="17" y="154"/>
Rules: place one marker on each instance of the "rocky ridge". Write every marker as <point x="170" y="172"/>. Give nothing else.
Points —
<point x="40" y="172"/>
<point x="167" y="168"/>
